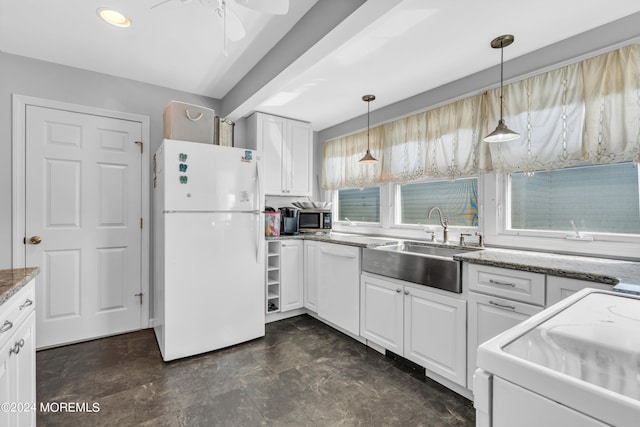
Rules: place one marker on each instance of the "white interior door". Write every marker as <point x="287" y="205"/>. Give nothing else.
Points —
<point x="83" y="201"/>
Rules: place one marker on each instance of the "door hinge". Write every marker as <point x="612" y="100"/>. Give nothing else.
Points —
<point x="141" y="222"/>
<point x="141" y="146"/>
<point x="139" y="295"/>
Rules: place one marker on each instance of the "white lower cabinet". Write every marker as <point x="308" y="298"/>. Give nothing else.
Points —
<point x="382" y="313"/>
<point x="339" y="285"/>
<point x="425" y="326"/>
<point x="558" y="288"/>
<point x="18" y="359"/>
<point x="311" y="275"/>
<point x="489" y="316"/>
<point x="291" y="274"/>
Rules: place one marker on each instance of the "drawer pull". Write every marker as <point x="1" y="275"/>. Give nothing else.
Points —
<point x="27" y="303"/>
<point x="497" y="282"/>
<point x="510" y="307"/>
<point x="7" y="325"/>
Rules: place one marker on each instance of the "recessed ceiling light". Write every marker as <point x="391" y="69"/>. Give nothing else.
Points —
<point x="113" y="17"/>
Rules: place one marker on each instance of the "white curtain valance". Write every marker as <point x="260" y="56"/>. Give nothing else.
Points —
<point x="547" y="111"/>
<point x="584" y="112"/>
<point x="340" y="167"/>
<point x="444" y="142"/>
<point x="612" y="107"/>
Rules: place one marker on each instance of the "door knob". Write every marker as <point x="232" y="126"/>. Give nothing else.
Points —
<point x="35" y="240"/>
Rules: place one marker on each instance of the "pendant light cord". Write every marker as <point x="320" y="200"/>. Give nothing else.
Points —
<point x="368" y="110"/>
<point x="501" y="77"/>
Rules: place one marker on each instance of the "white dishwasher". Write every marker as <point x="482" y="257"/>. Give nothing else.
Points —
<point x="576" y="363"/>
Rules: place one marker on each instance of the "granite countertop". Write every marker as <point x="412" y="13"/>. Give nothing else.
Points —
<point x="12" y="280"/>
<point x="602" y="270"/>
<point x="592" y="269"/>
<point x="341" y="239"/>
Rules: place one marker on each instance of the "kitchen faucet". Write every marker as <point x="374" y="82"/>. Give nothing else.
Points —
<point x="443" y="222"/>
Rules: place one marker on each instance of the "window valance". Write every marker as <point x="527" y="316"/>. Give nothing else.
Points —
<point x="444" y="142"/>
<point x="584" y="112"/>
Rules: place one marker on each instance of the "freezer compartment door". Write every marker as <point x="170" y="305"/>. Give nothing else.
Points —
<point x="203" y="177"/>
<point x="214" y="281"/>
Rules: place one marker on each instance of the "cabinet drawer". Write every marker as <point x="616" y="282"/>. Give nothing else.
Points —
<point x="503" y="282"/>
<point x="15" y="310"/>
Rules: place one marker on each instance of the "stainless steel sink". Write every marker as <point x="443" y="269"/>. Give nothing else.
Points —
<point x="417" y="262"/>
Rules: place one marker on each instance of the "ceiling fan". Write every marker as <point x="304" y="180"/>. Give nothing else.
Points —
<point x="231" y="24"/>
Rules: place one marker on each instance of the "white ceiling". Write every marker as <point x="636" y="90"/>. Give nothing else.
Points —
<point x="393" y="49"/>
<point x="175" y="45"/>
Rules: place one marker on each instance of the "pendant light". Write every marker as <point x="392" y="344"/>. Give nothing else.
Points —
<point x="502" y="132"/>
<point x="368" y="159"/>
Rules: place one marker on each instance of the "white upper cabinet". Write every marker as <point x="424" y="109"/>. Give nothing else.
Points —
<point x="287" y="147"/>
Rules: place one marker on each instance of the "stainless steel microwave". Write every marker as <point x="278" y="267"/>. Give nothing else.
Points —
<point x="314" y="221"/>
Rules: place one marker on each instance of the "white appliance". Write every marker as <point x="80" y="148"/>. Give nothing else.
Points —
<point x="576" y="363"/>
<point x="209" y="263"/>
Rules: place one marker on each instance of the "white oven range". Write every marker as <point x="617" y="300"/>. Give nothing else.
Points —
<point x="577" y="363"/>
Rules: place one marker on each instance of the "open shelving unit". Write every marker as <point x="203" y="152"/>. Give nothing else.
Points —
<point x="273" y="277"/>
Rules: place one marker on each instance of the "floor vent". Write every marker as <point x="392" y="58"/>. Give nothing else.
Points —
<point x="406" y="363"/>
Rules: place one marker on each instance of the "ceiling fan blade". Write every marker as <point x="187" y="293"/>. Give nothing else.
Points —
<point x="274" y="7"/>
<point x="234" y="29"/>
<point x="169" y="1"/>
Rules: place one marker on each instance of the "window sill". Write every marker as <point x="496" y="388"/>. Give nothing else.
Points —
<point x="561" y="245"/>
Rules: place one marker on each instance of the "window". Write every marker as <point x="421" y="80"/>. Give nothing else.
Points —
<point x="458" y="201"/>
<point x="600" y="199"/>
<point x="359" y="205"/>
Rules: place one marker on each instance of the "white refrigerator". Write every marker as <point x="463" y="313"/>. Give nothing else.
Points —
<point x="208" y="241"/>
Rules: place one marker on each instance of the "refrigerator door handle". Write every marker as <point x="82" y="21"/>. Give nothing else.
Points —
<point x="259" y="213"/>
<point x="258" y="187"/>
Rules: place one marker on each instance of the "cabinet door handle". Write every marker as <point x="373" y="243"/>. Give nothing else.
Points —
<point x="26" y="303"/>
<point x="406" y="292"/>
<point x="15" y="349"/>
<point x="338" y="254"/>
<point x="398" y="290"/>
<point x="6" y="326"/>
<point x="497" y="282"/>
<point x="510" y="307"/>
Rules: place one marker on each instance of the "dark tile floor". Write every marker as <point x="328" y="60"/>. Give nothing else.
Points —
<point x="302" y="373"/>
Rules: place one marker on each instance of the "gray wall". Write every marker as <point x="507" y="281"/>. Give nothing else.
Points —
<point x="24" y="76"/>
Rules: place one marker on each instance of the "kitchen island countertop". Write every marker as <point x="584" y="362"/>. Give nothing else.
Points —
<point x="12" y="280"/>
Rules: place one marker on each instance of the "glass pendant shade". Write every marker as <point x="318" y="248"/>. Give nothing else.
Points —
<point x="368" y="159"/>
<point x="502" y="132"/>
